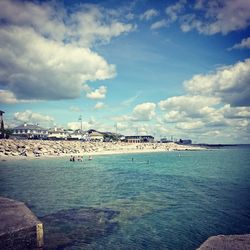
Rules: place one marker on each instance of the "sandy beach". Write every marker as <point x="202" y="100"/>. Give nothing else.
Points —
<point x="27" y="149"/>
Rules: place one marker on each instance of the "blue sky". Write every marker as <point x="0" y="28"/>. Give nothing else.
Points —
<point x="166" y="68"/>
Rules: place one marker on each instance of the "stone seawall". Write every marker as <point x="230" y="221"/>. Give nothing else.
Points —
<point x="37" y="148"/>
<point x="19" y="227"/>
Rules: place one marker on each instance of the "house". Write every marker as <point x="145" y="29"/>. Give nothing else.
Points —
<point x="139" y="138"/>
<point x="57" y="134"/>
<point x="94" y="135"/>
<point x="110" y="136"/>
<point x="79" y="135"/>
<point x="29" y="131"/>
<point x="185" y="142"/>
<point x="165" y="140"/>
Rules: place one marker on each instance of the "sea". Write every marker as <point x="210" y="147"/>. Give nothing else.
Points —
<point x="167" y="200"/>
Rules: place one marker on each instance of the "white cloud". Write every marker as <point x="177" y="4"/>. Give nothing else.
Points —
<point x="201" y="112"/>
<point x="149" y="14"/>
<point x="175" y="116"/>
<point x="91" y="123"/>
<point x="230" y="83"/>
<point x="235" y="112"/>
<point x="36" y="68"/>
<point x="45" y="51"/>
<point x="45" y="19"/>
<point x="190" y="125"/>
<point x="174" y="10"/>
<point x="130" y="16"/>
<point x="130" y="100"/>
<point x="99" y="105"/>
<point x="93" y="24"/>
<point x="218" y="16"/>
<point x="86" y="88"/>
<point x="121" y="126"/>
<point x="73" y="125"/>
<point x="193" y="106"/>
<point x="99" y="93"/>
<point x="86" y="124"/>
<point x="144" y="112"/>
<point x="8" y="97"/>
<point x="75" y="109"/>
<point x="32" y="117"/>
<point x="158" y="25"/>
<point x="244" y="44"/>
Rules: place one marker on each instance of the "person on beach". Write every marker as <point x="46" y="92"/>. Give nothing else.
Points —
<point x="72" y="158"/>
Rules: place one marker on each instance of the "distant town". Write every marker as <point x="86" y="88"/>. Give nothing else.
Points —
<point x="36" y="132"/>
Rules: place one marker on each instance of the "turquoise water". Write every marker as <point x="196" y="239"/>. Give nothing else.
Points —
<point x="172" y="200"/>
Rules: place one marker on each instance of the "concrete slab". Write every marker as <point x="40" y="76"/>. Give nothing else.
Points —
<point x="19" y="227"/>
<point x="227" y="242"/>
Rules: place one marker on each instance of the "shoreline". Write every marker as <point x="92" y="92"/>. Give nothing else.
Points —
<point x="34" y="149"/>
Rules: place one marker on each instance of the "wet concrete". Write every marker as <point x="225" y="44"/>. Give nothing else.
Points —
<point x="227" y="242"/>
<point x="19" y="227"/>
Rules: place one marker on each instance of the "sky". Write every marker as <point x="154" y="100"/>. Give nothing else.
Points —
<point x="176" y="69"/>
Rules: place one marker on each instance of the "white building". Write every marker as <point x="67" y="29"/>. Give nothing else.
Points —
<point x="139" y="138"/>
<point x="79" y="135"/>
<point x="95" y="136"/>
<point x="29" y="131"/>
<point x="58" y="134"/>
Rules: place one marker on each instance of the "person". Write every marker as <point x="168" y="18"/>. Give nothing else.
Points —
<point x="132" y="159"/>
<point x="90" y="158"/>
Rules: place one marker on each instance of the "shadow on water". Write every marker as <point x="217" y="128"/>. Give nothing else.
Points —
<point x="78" y="227"/>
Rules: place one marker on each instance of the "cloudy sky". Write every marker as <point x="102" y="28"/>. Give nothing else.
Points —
<point x="166" y="68"/>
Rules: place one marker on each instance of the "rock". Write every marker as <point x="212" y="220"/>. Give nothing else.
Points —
<point x="82" y="225"/>
<point x="227" y="242"/>
<point x="22" y="152"/>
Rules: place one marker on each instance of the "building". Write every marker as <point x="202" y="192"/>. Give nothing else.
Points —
<point x="110" y="136"/>
<point x="79" y="135"/>
<point x="57" y="134"/>
<point x="94" y="135"/>
<point x="139" y="138"/>
<point x="2" y="124"/>
<point x="165" y="140"/>
<point x="185" y="142"/>
<point x="29" y="131"/>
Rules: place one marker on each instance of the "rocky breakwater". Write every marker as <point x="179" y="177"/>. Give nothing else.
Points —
<point x="38" y="148"/>
<point x="35" y="148"/>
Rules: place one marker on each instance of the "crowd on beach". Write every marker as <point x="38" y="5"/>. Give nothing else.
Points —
<point x="79" y="158"/>
<point x="45" y="148"/>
